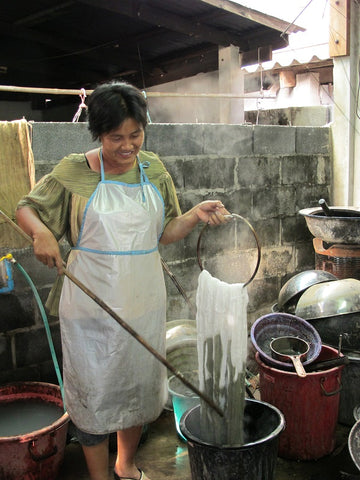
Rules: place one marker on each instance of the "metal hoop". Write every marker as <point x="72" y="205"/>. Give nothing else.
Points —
<point x="234" y="215"/>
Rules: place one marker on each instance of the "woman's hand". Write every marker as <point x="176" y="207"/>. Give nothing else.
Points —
<point x="211" y="211"/>
<point x="47" y="251"/>
<point x="46" y="247"/>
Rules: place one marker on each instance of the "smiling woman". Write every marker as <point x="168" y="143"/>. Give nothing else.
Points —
<point x="120" y="148"/>
<point x="114" y="204"/>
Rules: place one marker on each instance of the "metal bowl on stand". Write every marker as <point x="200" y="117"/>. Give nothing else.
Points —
<point x="341" y="225"/>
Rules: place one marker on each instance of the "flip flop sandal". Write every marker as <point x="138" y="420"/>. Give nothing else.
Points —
<point x="142" y="476"/>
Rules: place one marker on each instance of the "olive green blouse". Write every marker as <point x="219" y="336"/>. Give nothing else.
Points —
<point x="60" y="197"/>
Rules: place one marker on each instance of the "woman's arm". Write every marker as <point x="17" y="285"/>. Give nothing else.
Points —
<point x="46" y="247"/>
<point x="211" y="212"/>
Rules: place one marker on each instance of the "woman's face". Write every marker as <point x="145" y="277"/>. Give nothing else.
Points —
<point x="121" y="145"/>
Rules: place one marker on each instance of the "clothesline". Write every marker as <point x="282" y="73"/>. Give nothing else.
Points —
<point x="61" y="91"/>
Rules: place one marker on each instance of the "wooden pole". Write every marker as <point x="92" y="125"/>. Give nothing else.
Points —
<point x="61" y="91"/>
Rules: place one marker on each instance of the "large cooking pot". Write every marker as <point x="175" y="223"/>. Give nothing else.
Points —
<point x="342" y="225"/>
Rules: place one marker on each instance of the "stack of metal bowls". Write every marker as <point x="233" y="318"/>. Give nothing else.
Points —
<point x="333" y="308"/>
<point x="293" y="289"/>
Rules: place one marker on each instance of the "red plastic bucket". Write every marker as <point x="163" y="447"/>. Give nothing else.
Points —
<point x="36" y="455"/>
<point x="310" y="406"/>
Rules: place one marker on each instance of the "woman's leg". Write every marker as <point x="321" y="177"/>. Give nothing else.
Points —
<point x="127" y="444"/>
<point x="97" y="460"/>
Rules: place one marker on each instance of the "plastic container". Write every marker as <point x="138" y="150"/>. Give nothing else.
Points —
<point x="255" y="460"/>
<point x="182" y="397"/>
<point x="36" y="455"/>
<point x="310" y="405"/>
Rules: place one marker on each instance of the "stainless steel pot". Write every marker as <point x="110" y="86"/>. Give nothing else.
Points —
<point x="342" y="226"/>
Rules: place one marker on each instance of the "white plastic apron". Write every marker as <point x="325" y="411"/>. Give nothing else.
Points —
<point x="111" y="381"/>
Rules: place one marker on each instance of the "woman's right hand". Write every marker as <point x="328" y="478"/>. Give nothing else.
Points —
<point x="46" y="249"/>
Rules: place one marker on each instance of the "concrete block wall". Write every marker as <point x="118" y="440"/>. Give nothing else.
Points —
<point x="266" y="174"/>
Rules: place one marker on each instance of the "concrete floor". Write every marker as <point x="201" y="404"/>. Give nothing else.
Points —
<point x="163" y="456"/>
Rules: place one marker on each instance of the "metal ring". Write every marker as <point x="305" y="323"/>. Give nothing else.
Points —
<point x="233" y="215"/>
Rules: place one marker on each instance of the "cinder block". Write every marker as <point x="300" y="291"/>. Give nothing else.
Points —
<point x="175" y="139"/>
<point x="274" y="140"/>
<point x="228" y="140"/>
<point x="5" y="352"/>
<point x="54" y="140"/>
<point x="17" y="310"/>
<point x="262" y="291"/>
<point x="276" y="261"/>
<point x="32" y="346"/>
<point x="294" y="229"/>
<point x="312" y="140"/>
<point x="212" y="173"/>
<point x="273" y="202"/>
<point x="268" y="231"/>
<point x="304" y="256"/>
<point x="298" y="169"/>
<point x="258" y="171"/>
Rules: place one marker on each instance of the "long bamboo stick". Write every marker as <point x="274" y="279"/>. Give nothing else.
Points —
<point x="62" y="91"/>
<point x="125" y="325"/>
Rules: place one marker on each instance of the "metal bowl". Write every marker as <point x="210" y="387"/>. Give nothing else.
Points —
<point x="292" y="290"/>
<point x="343" y="226"/>
<point x="274" y="325"/>
<point x="328" y="299"/>
<point x="354" y="444"/>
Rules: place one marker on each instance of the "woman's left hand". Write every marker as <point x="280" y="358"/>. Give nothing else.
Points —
<point x="212" y="212"/>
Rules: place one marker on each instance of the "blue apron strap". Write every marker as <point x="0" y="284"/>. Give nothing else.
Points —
<point x="101" y="165"/>
<point x="143" y="177"/>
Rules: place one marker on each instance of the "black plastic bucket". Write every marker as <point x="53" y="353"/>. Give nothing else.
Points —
<point x="254" y="460"/>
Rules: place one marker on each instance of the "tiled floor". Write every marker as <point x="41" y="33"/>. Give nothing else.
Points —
<point x="163" y="456"/>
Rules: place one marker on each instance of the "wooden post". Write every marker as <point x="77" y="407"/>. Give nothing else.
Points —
<point x="231" y="80"/>
<point x="339" y="31"/>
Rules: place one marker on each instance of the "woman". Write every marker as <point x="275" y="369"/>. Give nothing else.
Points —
<point x="114" y="204"/>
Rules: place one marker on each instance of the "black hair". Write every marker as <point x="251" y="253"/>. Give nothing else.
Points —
<point x="112" y="103"/>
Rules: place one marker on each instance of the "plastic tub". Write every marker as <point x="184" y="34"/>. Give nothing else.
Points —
<point x="182" y="397"/>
